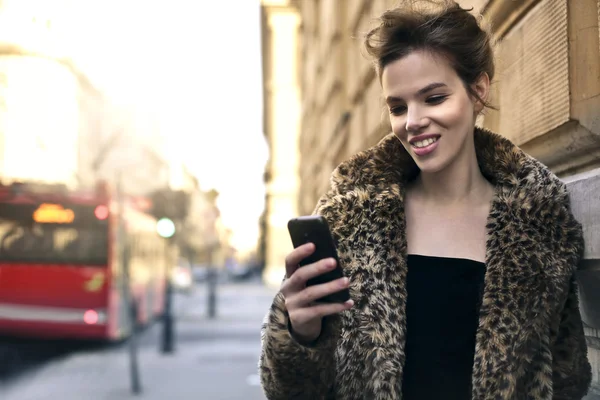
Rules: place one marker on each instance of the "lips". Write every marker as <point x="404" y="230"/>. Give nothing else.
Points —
<point x="423" y="145"/>
<point x="422" y="138"/>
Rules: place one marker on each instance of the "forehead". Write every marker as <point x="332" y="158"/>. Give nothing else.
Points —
<point x="404" y="77"/>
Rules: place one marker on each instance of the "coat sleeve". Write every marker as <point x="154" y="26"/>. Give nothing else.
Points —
<point x="571" y="370"/>
<point x="289" y="369"/>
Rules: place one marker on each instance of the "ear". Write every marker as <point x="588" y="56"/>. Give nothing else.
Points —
<point x="482" y="88"/>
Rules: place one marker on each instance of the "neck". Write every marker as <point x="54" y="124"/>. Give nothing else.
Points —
<point x="458" y="183"/>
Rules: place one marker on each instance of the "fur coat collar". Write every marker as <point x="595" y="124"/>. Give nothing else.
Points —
<point x="530" y="341"/>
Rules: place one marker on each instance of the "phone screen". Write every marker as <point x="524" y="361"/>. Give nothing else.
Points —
<point x="314" y="229"/>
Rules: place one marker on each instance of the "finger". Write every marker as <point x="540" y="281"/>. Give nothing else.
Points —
<point x="312" y="293"/>
<point x="308" y="314"/>
<point x="297" y="281"/>
<point x="298" y="254"/>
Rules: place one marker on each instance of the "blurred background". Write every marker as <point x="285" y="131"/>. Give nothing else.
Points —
<point x="152" y="153"/>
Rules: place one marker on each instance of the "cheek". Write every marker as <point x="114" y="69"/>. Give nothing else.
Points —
<point x="398" y="126"/>
<point x="455" y="114"/>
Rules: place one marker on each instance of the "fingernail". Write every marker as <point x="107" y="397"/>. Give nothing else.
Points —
<point x="350" y="303"/>
<point x="344" y="282"/>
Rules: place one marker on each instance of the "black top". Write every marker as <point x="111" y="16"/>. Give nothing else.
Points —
<point x="442" y="316"/>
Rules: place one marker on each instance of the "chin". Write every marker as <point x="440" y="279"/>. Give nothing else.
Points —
<point x="431" y="166"/>
<point x="430" y="171"/>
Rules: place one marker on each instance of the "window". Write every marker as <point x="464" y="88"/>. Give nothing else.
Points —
<point x="84" y="241"/>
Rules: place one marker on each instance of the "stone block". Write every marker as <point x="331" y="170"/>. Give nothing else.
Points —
<point x="534" y="73"/>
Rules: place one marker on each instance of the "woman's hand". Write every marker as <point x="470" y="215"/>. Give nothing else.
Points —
<point x="306" y="316"/>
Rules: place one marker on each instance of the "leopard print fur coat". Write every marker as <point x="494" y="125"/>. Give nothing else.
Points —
<point x="530" y="342"/>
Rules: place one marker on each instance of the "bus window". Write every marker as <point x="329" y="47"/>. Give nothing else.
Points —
<point x="80" y="240"/>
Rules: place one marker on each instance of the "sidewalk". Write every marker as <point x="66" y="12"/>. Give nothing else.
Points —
<point x="213" y="359"/>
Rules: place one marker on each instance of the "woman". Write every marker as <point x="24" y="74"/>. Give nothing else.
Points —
<point x="459" y="249"/>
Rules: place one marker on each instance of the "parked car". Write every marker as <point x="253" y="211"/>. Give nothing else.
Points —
<point x="181" y="276"/>
<point x="242" y="271"/>
<point x="200" y="272"/>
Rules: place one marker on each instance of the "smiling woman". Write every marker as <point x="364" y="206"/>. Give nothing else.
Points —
<point x="459" y="250"/>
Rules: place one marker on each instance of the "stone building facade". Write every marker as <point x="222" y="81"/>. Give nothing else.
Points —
<point x="547" y="91"/>
<point x="281" y="94"/>
<point x="39" y="116"/>
<point x="548" y="48"/>
<point x="52" y="111"/>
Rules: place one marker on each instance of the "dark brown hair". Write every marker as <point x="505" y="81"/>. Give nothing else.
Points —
<point x="441" y="27"/>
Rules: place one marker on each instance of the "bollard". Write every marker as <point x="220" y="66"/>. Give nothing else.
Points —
<point x="212" y="292"/>
<point x="134" y="370"/>
<point x="167" y="336"/>
<point x="168" y="320"/>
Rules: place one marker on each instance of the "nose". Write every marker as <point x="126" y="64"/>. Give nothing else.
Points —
<point x="415" y="119"/>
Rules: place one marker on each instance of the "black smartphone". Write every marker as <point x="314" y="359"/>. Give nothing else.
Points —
<point x="314" y="229"/>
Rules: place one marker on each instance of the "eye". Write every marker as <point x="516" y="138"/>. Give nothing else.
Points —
<point x="436" y="99"/>
<point x="398" y="110"/>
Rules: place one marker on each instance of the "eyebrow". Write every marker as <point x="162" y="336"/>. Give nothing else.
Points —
<point x="420" y="92"/>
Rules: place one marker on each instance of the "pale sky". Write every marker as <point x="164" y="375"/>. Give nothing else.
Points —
<point x="201" y="63"/>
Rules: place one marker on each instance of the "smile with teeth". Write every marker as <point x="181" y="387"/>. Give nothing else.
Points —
<point x="424" y="143"/>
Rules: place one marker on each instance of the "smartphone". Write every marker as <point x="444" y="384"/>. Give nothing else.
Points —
<point x="314" y="229"/>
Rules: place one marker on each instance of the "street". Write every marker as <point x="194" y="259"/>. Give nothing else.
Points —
<point x="213" y="359"/>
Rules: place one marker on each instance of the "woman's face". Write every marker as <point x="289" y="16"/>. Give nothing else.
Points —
<point x="431" y="111"/>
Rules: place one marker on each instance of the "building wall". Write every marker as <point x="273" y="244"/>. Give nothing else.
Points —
<point x="39" y="120"/>
<point x="55" y="126"/>
<point x="58" y="117"/>
<point x="133" y="149"/>
<point x="584" y="189"/>
<point x="342" y="109"/>
<point x="202" y="234"/>
<point x="548" y="48"/>
<point x="280" y="22"/>
<point x="51" y="113"/>
<point x="94" y="122"/>
<point x="547" y="90"/>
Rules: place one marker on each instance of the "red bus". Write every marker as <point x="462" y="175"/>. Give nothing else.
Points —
<point x="69" y="261"/>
